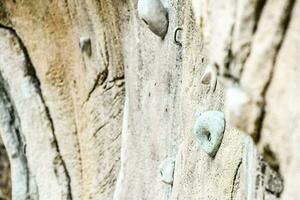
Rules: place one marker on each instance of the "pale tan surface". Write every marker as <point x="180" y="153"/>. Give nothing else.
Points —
<point x="85" y="134"/>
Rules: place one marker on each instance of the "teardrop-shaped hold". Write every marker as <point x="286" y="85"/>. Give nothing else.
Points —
<point x="85" y="45"/>
<point x="207" y="76"/>
<point x="166" y="169"/>
<point x="155" y="15"/>
<point x="209" y="130"/>
<point x="210" y="77"/>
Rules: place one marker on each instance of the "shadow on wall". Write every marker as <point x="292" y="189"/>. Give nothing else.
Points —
<point x="5" y="180"/>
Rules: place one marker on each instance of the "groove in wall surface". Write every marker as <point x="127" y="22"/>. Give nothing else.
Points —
<point x="30" y="71"/>
<point x="15" y="130"/>
<point x="284" y="24"/>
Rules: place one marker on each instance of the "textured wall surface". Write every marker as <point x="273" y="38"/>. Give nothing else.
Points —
<point x="69" y="104"/>
<point x="5" y="181"/>
<point x="93" y="104"/>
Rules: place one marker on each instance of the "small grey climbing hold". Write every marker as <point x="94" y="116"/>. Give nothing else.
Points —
<point x="155" y="15"/>
<point x="85" y="45"/>
<point x="209" y="130"/>
<point x="210" y="77"/>
<point x="166" y="169"/>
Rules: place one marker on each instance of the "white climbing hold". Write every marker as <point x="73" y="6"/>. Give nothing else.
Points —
<point x="155" y="15"/>
<point x="235" y="101"/>
<point x="85" y="45"/>
<point x="242" y="110"/>
<point x="210" y="77"/>
<point x="206" y="78"/>
<point x="209" y="130"/>
<point x="166" y="169"/>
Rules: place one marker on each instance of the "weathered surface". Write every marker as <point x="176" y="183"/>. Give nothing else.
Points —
<point x="22" y="97"/>
<point x="280" y="130"/>
<point x="5" y="174"/>
<point x="70" y="109"/>
<point x="253" y="48"/>
<point x="65" y="67"/>
<point x="164" y="97"/>
<point x="153" y="71"/>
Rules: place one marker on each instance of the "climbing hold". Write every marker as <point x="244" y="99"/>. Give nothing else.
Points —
<point x="243" y="111"/>
<point x="235" y="102"/>
<point x="210" y="77"/>
<point x="209" y="130"/>
<point x="166" y="169"/>
<point x="155" y="15"/>
<point x="85" y="45"/>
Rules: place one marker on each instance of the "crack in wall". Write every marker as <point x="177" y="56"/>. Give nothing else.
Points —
<point x="231" y="57"/>
<point x="250" y="62"/>
<point x="284" y="24"/>
<point x="103" y="76"/>
<point x="235" y="178"/>
<point x="100" y="79"/>
<point x="260" y="4"/>
<point x="14" y="133"/>
<point x="30" y="72"/>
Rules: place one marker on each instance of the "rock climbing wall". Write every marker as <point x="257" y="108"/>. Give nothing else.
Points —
<point x="238" y="170"/>
<point x="150" y="99"/>
<point x="249" y="49"/>
<point x="62" y="91"/>
<point x="164" y="99"/>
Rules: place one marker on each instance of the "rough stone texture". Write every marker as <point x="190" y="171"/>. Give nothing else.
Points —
<point x="153" y="71"/>
<point x="76" y="116"/>
<point x="280" y="130"/>
<point x="253" y="46"/>
<point x="96" y="120"/>
<point x="5" y="176"/>
<point x="165" y="96"/>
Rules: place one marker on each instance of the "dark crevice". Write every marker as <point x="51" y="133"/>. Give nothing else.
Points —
<point x="235" y="177"/>
<point x="229" y="57"/>
<point x="30" y="72"/>
<point x="271" y="178"/>
<point x="102" y="76"/>
<point x="258" y="11"/>
<point x="14" y="124"/>
<point x="117" y="79"/>
<point x="100" y="127"/>
<point x="257" y="14"/>
<point x="100" y="79"/>
<point x="284" y="27"/>
<point x="106" y="50"/>
<point x="271" y="158"/>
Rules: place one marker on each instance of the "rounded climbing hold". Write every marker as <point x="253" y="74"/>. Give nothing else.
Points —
<point x="155" y="15"/>
<point x="243" y="110"/>
<point x="85" y="45"/>
<point x="210" y="77"/>
<point x="166" y="169"/>
<point x="209" y="130"/>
